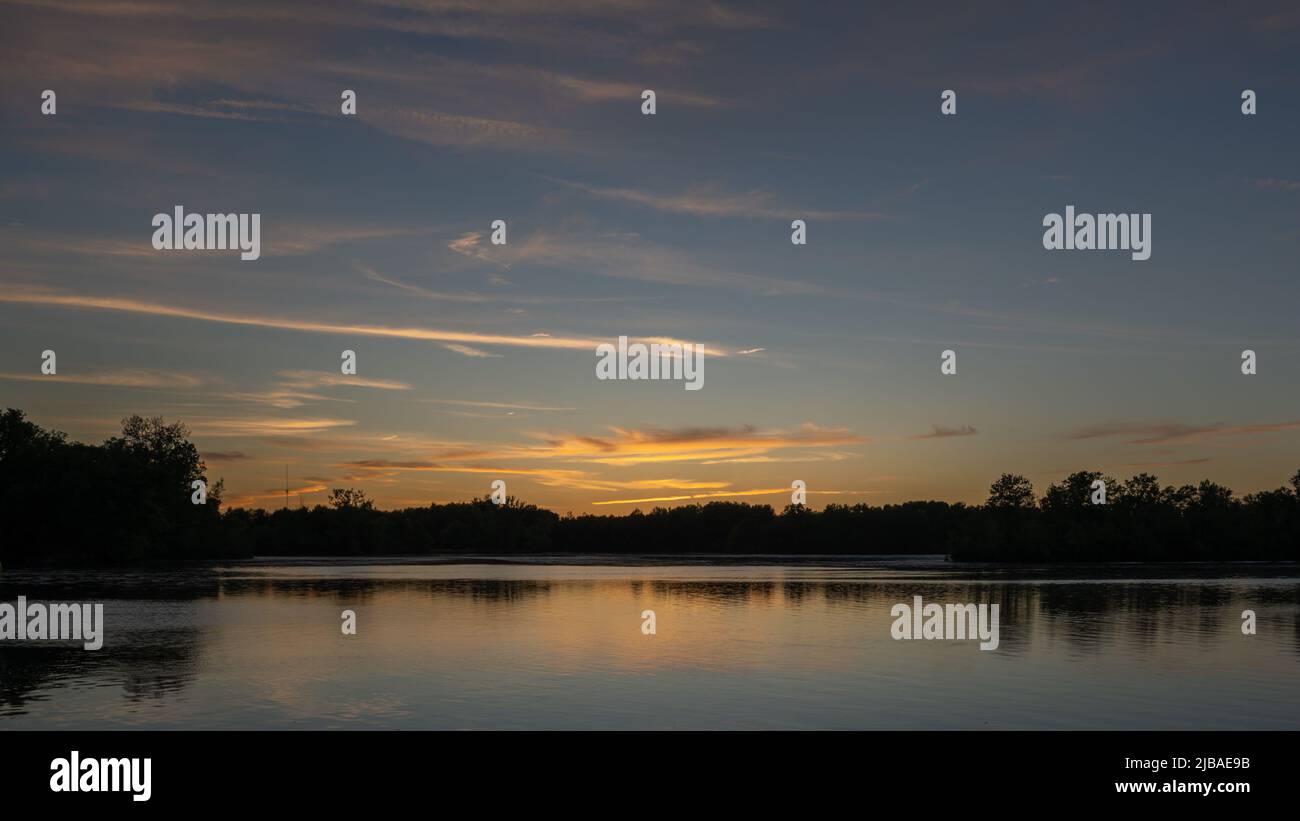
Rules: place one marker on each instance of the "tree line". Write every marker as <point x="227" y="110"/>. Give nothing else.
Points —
<point x="63" y="502"/>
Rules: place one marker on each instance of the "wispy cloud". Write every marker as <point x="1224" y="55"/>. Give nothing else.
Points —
<point x="500" y="405"/>
<point x="213" y="112"/>
<point x="1167" y="463"/>
<point x="703" y="201"/>
<point x="1074" y="76"/>
<point x="784" y="491"/>
<point x="475" y="297"/>
<point x="468" y="245"/>
<point x="264" y="426"/>
<point x="624" y="256"/>
<point x="634" y="446"/>
<point x="135" y="306"/>
<point x="1158" y="433"/>
<point x="324" y="379"/>
<point x="114" y="379"/>
<point x="783" y="459"/>
<point x="467" y="350"/>
<point x="630" y="446"/>
<point x="427" y="293"/>
<point x="1275" y="184"/>
<point x="941" y="432"/>
<point x="277" y="398"/>
<point x="289" y="239"/>
<point x="273" y="495"/>
<point x="604" y="91"/>
<point x="305" y="238"/>
<point x="445" y="129"/>
<point x="297" y="387"/>
<point x="223" y="456"/>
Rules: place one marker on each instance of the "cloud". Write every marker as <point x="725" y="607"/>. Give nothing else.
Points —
<point x="446" y="17"/>
<point x="474" y="297"/>
<point x="283" y="399"/>
<point x="223" y="456"/>
<point x="706" y="202"/>
<point x="1075" y="76"/>
<point x="1276" y="22"/>
<point x="289" y="240"/>
<point x="1159" y="433"/>
<point x="940" y="432"/>
<point x="296" y="388"/>
<point x="500" y="405"/>
<point x="727" y="494"/>
<point x="551" y="477"/>
<point x="604" y="91"/>
<point x="466" y="350"/>
<point x="349" y="443"/>
<point x="115" y="379"/>
<point x="426" y="293"/>
<point x="621" y="448"/>
<point x="624" y="256"/>
<point x="135" y="306"/>
<point x="1275" y="184"/>
<point x="273" y="495"/>
<point x="265" y="426"/>
<point x="1172" y="463"/>
<point x="468" y="245"/>
<point x="303" y="238"/>
<point x="364" y="469"/>
<point x="462" y="130"/>
<point x="322" y="379"/>
<point x="631" y="446"/>
<point x="202" y="111"/>
<point x="826" y="456"/>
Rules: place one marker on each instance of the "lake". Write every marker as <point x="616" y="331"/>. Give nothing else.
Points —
<point x="739" y="643"/>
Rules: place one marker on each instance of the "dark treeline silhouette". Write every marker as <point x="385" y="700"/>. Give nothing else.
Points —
<point x="63" y="502"/>
<point x="514" y="528"/>
<point x="129" y="498"/>
<point x="1139" y="521"/>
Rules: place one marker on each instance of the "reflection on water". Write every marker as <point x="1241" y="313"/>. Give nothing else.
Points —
<point x="548" y="645"/>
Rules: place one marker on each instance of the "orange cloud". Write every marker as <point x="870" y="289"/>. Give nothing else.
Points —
<point x="320" y="379"/>
<point x="625" y="448"/>
<point x="632" y="447"/>
<point x="424" y="334"/>
<point x="725" y="494"/>
<point x="115" y="379"/>
<point x="265" y="426"/>
<point x="250" y="498"/>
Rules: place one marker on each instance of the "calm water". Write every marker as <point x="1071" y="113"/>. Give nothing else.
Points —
<point x="549" y="645"/>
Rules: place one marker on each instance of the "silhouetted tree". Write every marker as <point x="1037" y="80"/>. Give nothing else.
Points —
<point x="1011" y="490"/>
<point x="350" y="499"/>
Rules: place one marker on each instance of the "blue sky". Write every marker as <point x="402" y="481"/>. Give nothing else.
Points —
<point x="924" y="234"/>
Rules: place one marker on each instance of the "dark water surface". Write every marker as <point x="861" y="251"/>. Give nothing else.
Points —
<point x="475" y="643"/>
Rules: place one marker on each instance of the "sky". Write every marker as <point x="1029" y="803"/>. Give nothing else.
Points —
<point x="477" y="362"/>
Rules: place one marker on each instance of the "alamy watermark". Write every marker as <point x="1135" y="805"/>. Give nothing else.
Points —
<point x="658" y="360"/>
<point x="75" y="774"/>
<point x="1102" y="232"/>
<point x="53" y="622"/>
<point x="955" y="622"/>
<point x="208" y="232"/>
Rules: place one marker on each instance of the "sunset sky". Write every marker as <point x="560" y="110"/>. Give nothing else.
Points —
<point x="477" y="362"/>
